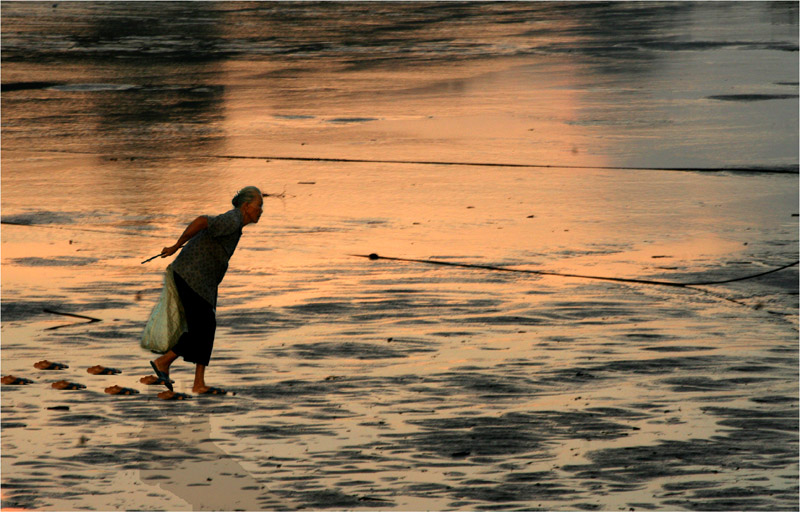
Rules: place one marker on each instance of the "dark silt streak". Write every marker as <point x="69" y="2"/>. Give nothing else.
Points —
<point x="151" y="83"/>
<point x="26" y="86"/>
<point x="361" y="34"/>
<point x="753" y="97"/>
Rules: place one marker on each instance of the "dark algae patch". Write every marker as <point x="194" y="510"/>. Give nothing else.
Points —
<point x="752" y="97"/>
<point x="511" y="434"/>
<point x="59" y="261"/>
<point x="346" y="120"/>
<point x="755" y="441"/>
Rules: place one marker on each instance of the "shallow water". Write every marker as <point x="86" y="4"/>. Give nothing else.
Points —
<point x="378" y="384"/>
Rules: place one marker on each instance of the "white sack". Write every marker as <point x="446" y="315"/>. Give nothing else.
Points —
<point x="167" y="321"/>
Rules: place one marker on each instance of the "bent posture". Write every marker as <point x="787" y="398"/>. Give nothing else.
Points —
<point x="198" y="270"/>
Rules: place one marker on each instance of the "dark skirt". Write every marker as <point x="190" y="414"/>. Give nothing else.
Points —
<point x="196" y="344"/>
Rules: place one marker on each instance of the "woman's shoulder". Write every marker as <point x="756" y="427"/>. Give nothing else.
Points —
<point x="232" y="214"/>
<point x="226" y="222"/>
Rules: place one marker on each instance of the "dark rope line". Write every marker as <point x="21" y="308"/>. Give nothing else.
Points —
<point x="790" y="169"/>
<point x="757" y="307"/>
<point x="90" y="319"/>
<point x="374" y="256"/>
<point x="74" y="315"/>
<point x="744" y="278"/>
<point x="778" y="170"/>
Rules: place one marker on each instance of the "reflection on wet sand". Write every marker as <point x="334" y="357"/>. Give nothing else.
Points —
<point x="184" y="459"/>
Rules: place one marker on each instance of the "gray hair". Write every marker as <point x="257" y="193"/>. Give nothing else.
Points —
<point x="246" y="195"/>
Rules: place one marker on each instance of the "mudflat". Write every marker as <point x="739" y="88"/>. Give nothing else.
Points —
<point x="358" y="383"/>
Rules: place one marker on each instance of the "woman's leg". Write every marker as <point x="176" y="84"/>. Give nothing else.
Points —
<point x="195" y="345"/>
<point x="200" y="379"/>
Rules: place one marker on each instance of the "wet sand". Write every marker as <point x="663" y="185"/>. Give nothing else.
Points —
<point x="376" y="385"/>
<point x="383" y="385"/>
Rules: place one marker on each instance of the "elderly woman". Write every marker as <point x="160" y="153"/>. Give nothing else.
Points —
<point x="198" y="270"/>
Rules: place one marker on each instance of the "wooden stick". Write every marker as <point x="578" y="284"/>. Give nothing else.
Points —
<point x="151" y="259"/>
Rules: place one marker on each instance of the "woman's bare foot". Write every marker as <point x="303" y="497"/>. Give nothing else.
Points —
<point x="162" y="364"/>
<point x="163" y="368"/>
<point x="163" y="376"/>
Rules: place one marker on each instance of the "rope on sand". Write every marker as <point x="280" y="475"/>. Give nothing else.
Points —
<point x="792" y="169"/>
<point x="785" y="169"/>
<point x="374" y="256"/>
<point x="90" y="319"/>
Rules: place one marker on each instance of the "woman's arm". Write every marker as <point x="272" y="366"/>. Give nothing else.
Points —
<point x="197" y="225"/>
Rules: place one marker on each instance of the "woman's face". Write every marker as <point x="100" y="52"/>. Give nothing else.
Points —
<point x="253" y="210"/>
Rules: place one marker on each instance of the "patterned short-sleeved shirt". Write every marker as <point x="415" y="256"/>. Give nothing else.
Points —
<point x="203" y="261"/>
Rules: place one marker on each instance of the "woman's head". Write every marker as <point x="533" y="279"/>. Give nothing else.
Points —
<point x="246" y="195"/>
<point x="250" y="201"/>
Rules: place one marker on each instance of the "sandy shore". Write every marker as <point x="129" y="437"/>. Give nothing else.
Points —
<point x="387" y="385"/>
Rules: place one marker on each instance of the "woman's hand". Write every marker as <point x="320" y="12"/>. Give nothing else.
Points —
<point x="197" y="225"/>
<point x="169" y="251"/>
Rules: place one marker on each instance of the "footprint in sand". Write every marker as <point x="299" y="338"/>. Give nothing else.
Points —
<point x="102" y="370"/>
<point x="66" y="385"/>
<point x="49" y="365"/>
<point x="117" y="390"/>
<point x="15" y="381"/>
